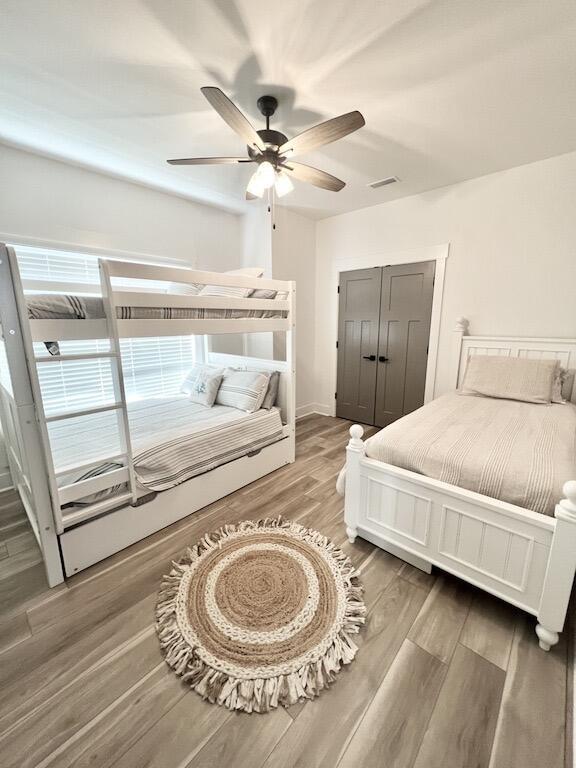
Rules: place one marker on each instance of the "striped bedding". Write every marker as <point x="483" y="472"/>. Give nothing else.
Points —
<point x="172" y="439"/>
<point x="517" y="452"/>
<point x="67" y="307"/>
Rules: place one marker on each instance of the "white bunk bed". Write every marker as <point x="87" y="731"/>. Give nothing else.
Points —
<point x="521" y="556"/>
<point x="72" y="536"/>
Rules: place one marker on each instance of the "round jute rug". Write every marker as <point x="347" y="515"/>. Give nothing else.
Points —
<point x="260" y="614"/>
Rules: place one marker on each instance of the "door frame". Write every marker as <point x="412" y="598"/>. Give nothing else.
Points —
<point x="437" y="253"/>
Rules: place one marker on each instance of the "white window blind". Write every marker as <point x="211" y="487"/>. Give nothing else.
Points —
<point x="60" y="266"/>
<point x="67" y="267"/>
<point x="153" y="367"/>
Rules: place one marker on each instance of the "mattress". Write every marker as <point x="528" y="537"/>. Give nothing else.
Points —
<point x="517" y="452"/>
<point x="51" y="306"/>
<point x="173" y="439"/>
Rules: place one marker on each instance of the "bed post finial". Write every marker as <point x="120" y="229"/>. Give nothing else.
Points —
<point x="460" y="330"/>
<point x="356" y="432"/>
<point x="462" y="325"/>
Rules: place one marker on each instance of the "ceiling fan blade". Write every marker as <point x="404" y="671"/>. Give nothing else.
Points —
<point x="324" y="133"/>
<point x="208" y="161"/>
<point x="230" y="113"/>
<point x="250" y="196"/>
<point x="314" y="176"/>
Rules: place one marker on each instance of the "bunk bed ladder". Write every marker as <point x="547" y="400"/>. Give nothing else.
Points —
<point x="118" y="376"/>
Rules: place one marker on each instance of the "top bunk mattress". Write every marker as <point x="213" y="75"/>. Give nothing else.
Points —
<point x="173" y="439"/>
<point x="517" y="452"/>
<point x="52" y="306"/>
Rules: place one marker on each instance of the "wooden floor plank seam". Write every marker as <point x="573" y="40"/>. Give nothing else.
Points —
<point x="131" y="642"/>
<point x="87" y="727"/>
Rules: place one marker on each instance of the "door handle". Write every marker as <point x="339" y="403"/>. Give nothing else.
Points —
<point x="383" y="359"/>
<point x="369" y="357"/>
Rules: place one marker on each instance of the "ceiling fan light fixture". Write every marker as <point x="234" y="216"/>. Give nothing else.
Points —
<point x="266" y="174"/>
<point x="255" y="186"/>
<point x="283" y="184"/>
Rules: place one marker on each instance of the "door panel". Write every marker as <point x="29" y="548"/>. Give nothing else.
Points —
<point x="406" y="306"/>
<point x="358" y="318"/>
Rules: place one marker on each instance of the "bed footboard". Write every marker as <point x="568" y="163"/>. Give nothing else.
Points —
<point x="525" y="558"/>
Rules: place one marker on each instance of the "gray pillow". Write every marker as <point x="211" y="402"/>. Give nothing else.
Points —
<point x="272" y="392"/>
<point x="244" y="390"/>
<point x="201" y="384"/>
<point x="264" y="293"/>
<point x="510" y="378"/>
<point x="563" y="384"/>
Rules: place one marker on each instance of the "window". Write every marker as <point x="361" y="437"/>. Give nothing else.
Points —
<point x="65" y="267"/>
<point x="153" y="367"/>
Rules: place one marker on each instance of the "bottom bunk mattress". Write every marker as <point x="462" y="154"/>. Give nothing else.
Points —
<point x="172" y="439"/>
<point x="517" y="452"/>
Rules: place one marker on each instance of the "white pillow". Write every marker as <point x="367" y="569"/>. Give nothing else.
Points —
<point x="185" y="289"/>
<point x="230" y="290"/>
<point x="244" y="390"/>
<point x="510" y="378"/>
<point x="201" y="384"/>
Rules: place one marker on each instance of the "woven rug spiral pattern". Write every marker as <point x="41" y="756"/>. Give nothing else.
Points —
<point x="260" y="614"/>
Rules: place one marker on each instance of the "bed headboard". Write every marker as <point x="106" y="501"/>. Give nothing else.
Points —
<point x="466" y="345"/>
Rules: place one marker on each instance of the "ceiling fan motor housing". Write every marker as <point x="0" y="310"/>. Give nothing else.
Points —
<point x="270" y="137"/>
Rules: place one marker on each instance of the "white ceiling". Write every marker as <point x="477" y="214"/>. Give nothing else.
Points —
<point x="450" y="89"/>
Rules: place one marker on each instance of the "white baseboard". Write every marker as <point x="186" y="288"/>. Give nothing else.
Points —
<point x="310" y="408"/>
<point x="325" y="410"/>
<point x="5" y="481"/>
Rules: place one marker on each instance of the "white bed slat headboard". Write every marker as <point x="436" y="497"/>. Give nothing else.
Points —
<point x="563" y="350"/>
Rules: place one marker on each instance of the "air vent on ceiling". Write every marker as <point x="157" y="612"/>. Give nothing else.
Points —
<point x="384" y="182"/>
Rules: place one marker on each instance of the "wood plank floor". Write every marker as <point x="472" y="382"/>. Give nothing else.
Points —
<point x="445" y="676"/>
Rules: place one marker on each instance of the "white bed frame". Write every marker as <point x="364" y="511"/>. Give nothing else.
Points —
<point x="71" y="540"/>
<point x="523" y="557"/>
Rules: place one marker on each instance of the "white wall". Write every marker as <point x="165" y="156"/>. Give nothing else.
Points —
<point x="287" y="253"/>
<point x="293" y="256"/>
<point x="512" y="263"/>
<point x="48" y="199"/>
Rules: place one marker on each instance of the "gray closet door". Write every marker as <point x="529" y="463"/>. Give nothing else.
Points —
<point x="359" y="312"/>
<point x="405" y="311"/>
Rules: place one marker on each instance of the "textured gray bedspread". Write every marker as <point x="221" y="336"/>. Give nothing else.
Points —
<point x="518" y="452"/>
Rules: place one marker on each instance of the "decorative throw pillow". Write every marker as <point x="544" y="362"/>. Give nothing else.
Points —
<point x="563" y="384"/>
<point x="510" y="378"/>
<point x="272" y="391"/>
<point x="244" y="390"/>
<point x="264" y="293"/>
<point x="201" y="384"/>
<point x="231" y="290"/>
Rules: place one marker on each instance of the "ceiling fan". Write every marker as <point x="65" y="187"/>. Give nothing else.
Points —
<point x="272" y="151"/>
